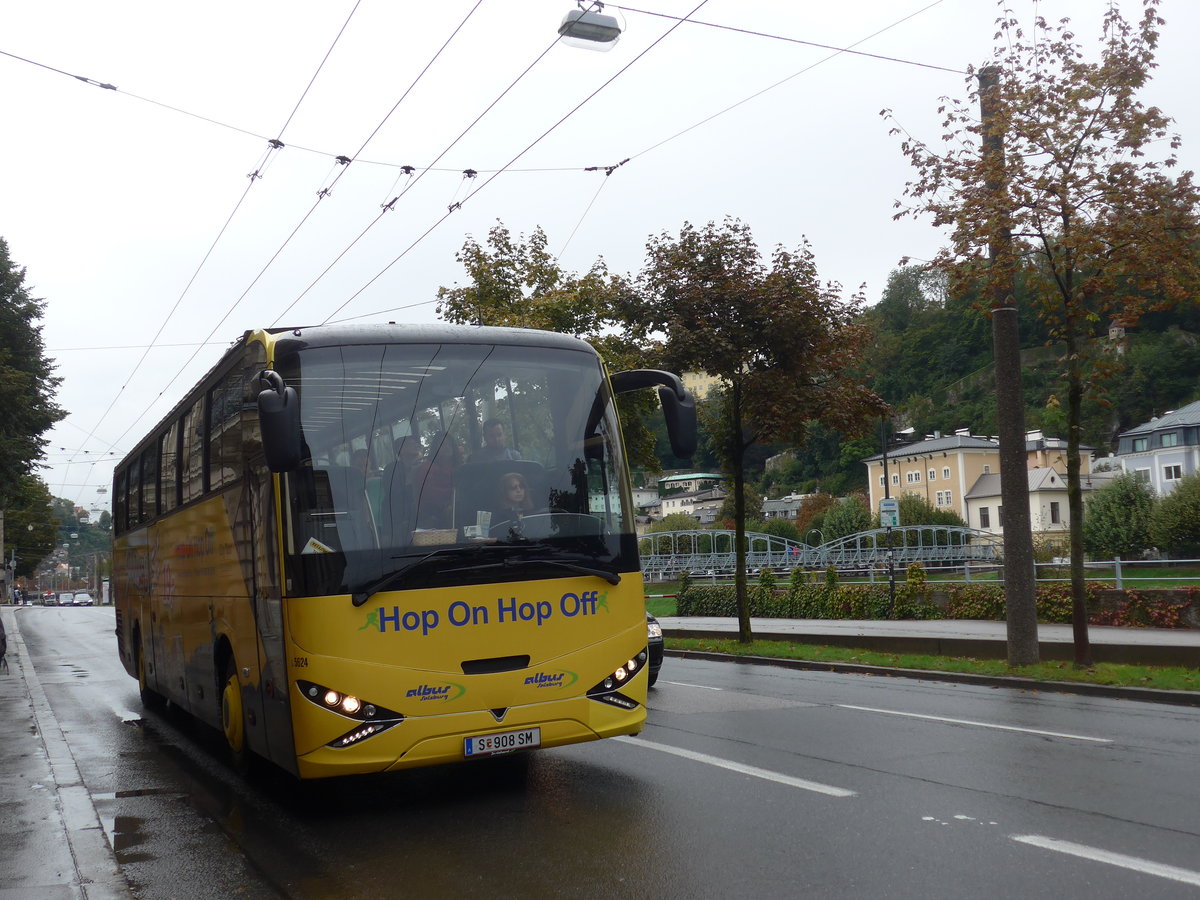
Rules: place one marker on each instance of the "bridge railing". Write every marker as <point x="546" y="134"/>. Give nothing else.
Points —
<point x="711" y="552"/>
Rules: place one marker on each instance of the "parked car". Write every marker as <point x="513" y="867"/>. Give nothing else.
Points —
<point x="654" y="643"/>
<point x="83" y="598"/>
<point x="66" y="598"/>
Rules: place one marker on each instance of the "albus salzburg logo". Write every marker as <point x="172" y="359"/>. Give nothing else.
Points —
<point x="445" y="691"/>
<point x="551" y="679"/>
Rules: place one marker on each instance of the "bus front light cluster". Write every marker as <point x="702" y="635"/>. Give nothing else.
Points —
<point x="361" y="733"/>
<point x="606" y="691"/>
<point x="346" y="704"/>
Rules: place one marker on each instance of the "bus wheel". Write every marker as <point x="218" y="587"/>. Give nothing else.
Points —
<point x="151" y="699"/>
<point x="233" y="721"/>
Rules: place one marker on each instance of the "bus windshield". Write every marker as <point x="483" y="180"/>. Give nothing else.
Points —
<point x="426" y="465"/>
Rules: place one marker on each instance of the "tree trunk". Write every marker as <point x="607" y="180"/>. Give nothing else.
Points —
<point x="1079" y="610"/>
<point x="1020" y="585"/>
<point x="738" y="452"/>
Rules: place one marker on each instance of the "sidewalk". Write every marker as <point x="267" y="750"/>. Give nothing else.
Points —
<point x="54" y="845"/>
<point x="944" y="637"/>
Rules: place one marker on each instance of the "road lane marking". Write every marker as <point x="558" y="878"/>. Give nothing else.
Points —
<point x="742" y="769"/>
<point x="1059" y="734"/>
<point x="1145" y="866"/>
<point x="703" y="687"/>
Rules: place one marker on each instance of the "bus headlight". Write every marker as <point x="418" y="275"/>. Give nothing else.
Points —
<point x="606" y="690"/>
<point x="346" y="705"/>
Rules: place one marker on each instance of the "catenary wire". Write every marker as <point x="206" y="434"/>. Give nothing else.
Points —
<point x="321" y="195"/>
<point x="756" y="94"/>
<point x="274" y="146"/>
<point x="497" y="174"/>
<point x="779" y="37"/>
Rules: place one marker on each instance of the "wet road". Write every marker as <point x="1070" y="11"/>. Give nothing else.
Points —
<point x="747" y="781"/>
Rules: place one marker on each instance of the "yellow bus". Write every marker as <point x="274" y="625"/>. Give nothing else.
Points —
<point x="361" y="549"/>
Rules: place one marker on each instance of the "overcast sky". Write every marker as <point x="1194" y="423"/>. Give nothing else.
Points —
<point x="113" y="200"/>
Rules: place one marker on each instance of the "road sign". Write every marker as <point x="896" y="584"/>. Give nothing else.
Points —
<point x="889" y="513"/>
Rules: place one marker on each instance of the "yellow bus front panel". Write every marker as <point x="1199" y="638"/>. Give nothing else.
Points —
<point x="439" y="666"/>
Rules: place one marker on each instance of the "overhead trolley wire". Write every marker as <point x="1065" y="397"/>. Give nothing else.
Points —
<point x="610" y="169"/>
<point x="274" y="146"/>
<point x="838" y="51"/>
<point x="495" y="175"/>
<point x="779" y="37"/>
<point x="321" y="195"/>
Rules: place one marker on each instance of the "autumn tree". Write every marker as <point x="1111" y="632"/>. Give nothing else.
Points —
<point x="782" y="342"/>
<point x="518" y="283"/>
<point x="1102" y="229"/>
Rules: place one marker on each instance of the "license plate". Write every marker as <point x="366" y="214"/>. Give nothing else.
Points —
<point x="502" y="742"/>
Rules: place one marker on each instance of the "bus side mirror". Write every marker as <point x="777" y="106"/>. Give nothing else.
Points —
<point x="680" y="413"/>
<point x="679" y="406"/>
<point x="279" y="419"/>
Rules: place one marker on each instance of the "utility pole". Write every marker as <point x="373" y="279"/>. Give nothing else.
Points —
<point x="3" y="563"/>
<point x="887" y="495"/>
<point x="1020" y="582"/>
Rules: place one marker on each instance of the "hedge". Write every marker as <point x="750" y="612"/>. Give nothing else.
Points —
<point x="804" y="599"/>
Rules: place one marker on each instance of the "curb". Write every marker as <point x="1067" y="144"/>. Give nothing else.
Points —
<point x="1112" y="692"/>
<point x="980" y="647"/>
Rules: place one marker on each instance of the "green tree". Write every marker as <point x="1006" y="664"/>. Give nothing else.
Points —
<point x="1175" y="522"/>
<point x="30" y="529"/>
<point x="783" y="528"/>
<point x="849" y="515"/>
<point x="727" y="514"/>
<point x="27" y="380"/>
<point x="27" y="384"/>
<point x="517" y="283"/>
<point x="1118" y="519"/>
<point x="1083" y="185"/>
<point x="916" y="510"/>
<point x="783" y="343"/>
<point x="674" y="522"/>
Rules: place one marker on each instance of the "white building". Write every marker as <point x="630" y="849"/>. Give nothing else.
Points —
<point x="1164" y="449"/>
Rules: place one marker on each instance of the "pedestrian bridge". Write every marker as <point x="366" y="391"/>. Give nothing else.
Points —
<point x="667" y="554"/>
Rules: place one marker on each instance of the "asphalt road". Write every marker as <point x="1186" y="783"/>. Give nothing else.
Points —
<point x="748" y="781"/>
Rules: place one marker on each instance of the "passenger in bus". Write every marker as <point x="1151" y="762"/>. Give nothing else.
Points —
<point x="495" y="444"/>
<point x="433" y="483"/>
<point x="361" y="460"/>
<point x="515" y="499"/>
<point x="409" y="455"/>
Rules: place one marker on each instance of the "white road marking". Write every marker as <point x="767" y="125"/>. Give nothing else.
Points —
<point x="703" y="687"/>
<point x="1059" y="734"/>
<point x="756" y="772"/>
<point x="1145" y="866"/>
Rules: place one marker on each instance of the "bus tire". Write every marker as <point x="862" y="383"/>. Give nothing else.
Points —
<point x="151" y="699"/>
<point x="233" y="720"/>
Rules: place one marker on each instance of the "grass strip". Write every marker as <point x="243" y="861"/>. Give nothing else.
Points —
<point x="1170" y="678"/>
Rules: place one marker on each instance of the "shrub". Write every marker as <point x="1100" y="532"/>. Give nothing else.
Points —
<point x="1175" y="522"/>
<point x="1138" y="610"/>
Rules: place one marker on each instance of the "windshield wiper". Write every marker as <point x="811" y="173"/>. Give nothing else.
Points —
<point x="363" y="594"/>
<point x="508" y="563"/>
